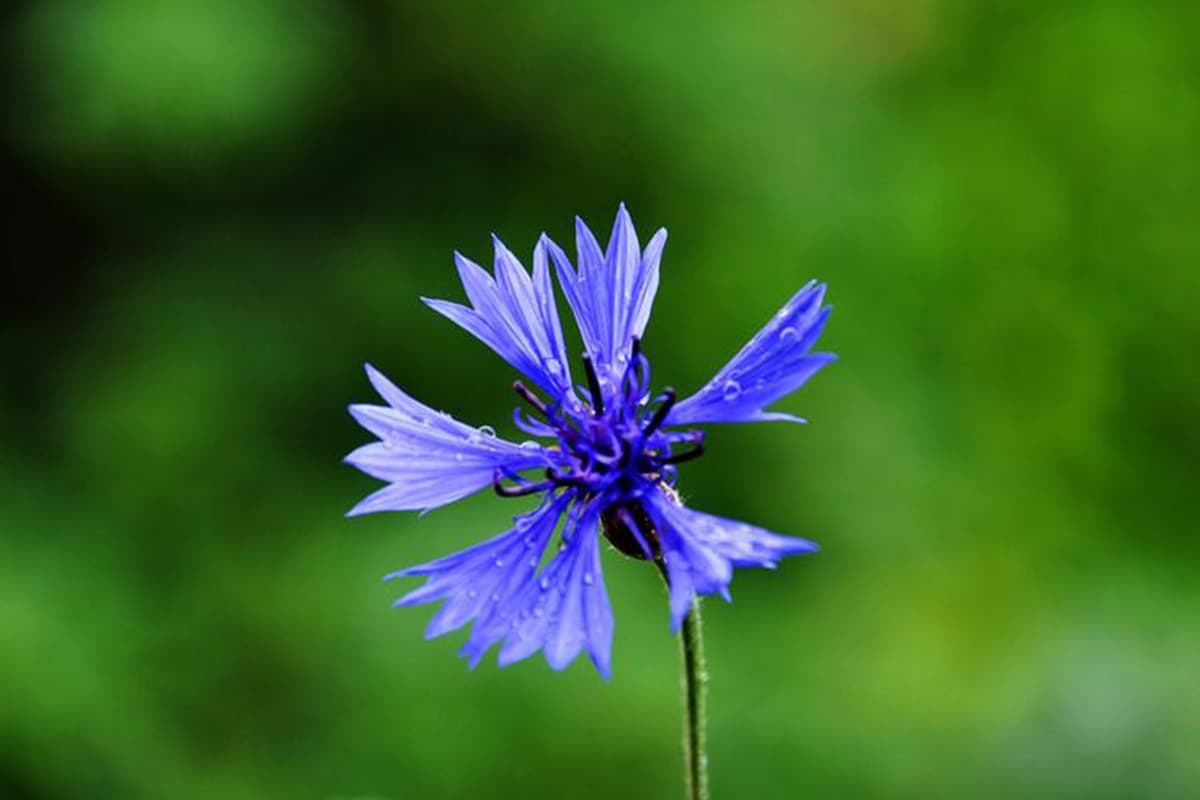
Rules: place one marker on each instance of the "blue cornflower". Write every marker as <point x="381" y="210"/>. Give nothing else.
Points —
<point x="606" y="464"/>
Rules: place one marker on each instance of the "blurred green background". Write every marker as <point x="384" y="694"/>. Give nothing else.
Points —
<point x="222" y="208"/>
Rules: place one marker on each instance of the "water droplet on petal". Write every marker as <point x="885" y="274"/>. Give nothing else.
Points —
<point x="731" y="390"/>
<point x="458" y="456"/>
<point x="533" y="562"/>
<point x="488" y="431"/>
<point x="544" y="583"/>
<point x="587" y="578"/>
<point x="788" y="334"/>
<point x="553" y="366"/>
<point x="529" y="444"/>
<point x="499" y="562"/>
<point x="471" y="593"/>
<point x="389" y="445"/>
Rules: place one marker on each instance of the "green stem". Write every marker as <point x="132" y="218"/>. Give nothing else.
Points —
<point x="695" y="683"/>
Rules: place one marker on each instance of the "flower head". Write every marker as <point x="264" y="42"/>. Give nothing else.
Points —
<point x="605" y="459"/>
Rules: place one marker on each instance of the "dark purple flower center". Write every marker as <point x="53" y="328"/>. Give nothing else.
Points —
<point x="612" y="449"/>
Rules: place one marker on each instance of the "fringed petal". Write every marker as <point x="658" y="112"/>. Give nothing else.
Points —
<point x="429" y="458"/>
<point x="775" y="363"/>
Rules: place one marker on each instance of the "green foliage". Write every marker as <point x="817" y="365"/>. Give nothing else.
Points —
<point x="244" y="201"/>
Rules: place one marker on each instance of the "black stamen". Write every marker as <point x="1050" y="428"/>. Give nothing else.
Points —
<point x="635" y="348"/>
<point x="532" y="399"/>
<point x="660" y="414"/>
<point x="697" y="450"/>
<point x="520" y="490"/>
<point x="593" y="385"/>
<point x="563" y="479"/>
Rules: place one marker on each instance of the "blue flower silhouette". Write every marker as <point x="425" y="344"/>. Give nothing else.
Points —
<point x="606" y="461"/>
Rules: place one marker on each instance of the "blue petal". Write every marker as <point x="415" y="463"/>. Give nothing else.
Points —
<point x="646" y="285"/>
<point x="514" y="315"/>
<point x="621" y="261"/>
<point x="480" y="583"/>
<point x="701" y="551"/>
<point x="596" y="283"/>
<point x="612" y="292"/>
<point x="775" y="363"/>
<point x="429" y="458"/>
<point x="575" y="291"/>
<point x="562" y="612"/>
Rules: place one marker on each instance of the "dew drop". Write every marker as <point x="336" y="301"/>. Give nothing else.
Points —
<point x="471" y="593"/>
<point x="553" y="366"/>
<point x="389" y="445"/>
<point x="496" y="597"/>
<point x="488" y="431"/>
<point x="499" y="562"/>
<point x="731" y="390"/>
<point x="544" y="583"/>
<point x="587" y="578"/>
<point x="537" y="611"/>
<point x="458" y="456"/>
<point x="533" y="562"/>
<point x="529" y="444"/>
<point x="788" y="334"/>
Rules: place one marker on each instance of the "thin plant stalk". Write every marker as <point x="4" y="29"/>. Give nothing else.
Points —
<point x="695" y="686"/>
<point x="694" y="681"/>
